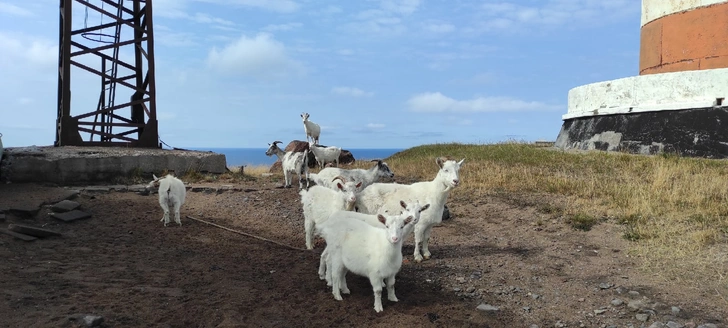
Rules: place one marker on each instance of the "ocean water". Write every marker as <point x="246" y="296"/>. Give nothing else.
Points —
<point x="256" y="156"/>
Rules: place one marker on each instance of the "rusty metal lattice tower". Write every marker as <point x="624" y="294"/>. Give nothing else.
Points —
<point x="112" y="123"/>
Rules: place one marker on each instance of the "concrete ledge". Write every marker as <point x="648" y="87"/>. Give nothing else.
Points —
<point x="71" y="165"/>
<point x="646" y="93"/>
<point x="698" y="132"/>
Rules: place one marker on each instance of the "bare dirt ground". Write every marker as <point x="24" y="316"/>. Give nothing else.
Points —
<point x="123" y="265"/>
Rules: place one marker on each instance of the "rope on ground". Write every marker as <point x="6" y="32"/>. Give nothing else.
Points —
<point x="247" y="234"/>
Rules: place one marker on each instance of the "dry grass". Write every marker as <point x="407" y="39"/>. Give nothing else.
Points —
<point x="673" y="209"/>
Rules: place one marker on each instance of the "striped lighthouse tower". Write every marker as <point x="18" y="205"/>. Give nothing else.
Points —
<point x="677" y="103"/>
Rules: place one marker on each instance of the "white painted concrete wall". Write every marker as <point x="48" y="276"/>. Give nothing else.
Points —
<point x="646" y="93"/>
<point x="654" y="9"/>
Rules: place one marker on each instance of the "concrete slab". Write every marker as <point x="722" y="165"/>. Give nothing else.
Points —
<point x="30" y="196"/>
<point x="17" y="235"/>
<point x="65" y="206"/>
<point x="71" y="216"/>
<point x="70" y="165"/>
<point x="32" y="231"/>
<point x="96" y="189"/>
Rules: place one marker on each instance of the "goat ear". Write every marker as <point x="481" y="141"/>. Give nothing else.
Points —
<point x="382" y="219"/>
<point x="403" y="204"/>
<point x="358" y="185"/>
<point x="424" y="207"/>
<point x="338" y="184"/>
<point x="408" y="219"/>
<point x="439" y="161"/>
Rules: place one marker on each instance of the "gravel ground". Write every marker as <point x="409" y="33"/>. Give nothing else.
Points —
<point x="497" y="262"/>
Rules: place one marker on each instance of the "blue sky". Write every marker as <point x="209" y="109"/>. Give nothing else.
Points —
<point x="372" y="73"/>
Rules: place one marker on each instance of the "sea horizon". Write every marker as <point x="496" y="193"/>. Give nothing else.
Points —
<point x="256" y="156"/>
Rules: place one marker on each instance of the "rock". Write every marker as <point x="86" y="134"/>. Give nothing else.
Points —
<point x="488" y="308"/>
<point x="96" y="189"/>
<point x="600" y="311"/>
<point x="657" y="324"/>
<point x="673" y="324"/>
<point x="605" y="285"/>
<point x="617" y="302"/>
<point x="24" y="209"/>
<point x="708" y="325"/>
<point x="636" y="305"/>
<point x="470" y="289"/>
<point x="32" y="231"/>
<point x="432" y="316"/>
<point x="445" y="213"/>
<point x="456" y="289"/>
<point x="17" y="235"/>
<point x="93" y="320"/>
<point x="675" y="310"/>
<point x="71" y="216"/>
<point x="460" y="280"/>
<point x="633" y="294"/>
<point x="65" y="206"/>
<point x="642" y="316"/>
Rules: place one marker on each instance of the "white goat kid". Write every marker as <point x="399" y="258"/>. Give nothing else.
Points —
<point x="325" y="154"/>
<point x="372" y="252"/>
<point x="291" y="162"/>
<point x="313" y="130"/>
<point x="367" y="177"/>
<point x="319" y="202"/>
<point x="381" y="197"/>
<point x="372" y="220"/>
<point x="172" y="191"/>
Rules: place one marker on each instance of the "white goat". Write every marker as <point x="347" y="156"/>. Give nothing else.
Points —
<point x="313" y="130"/>
<point x="319" y="202"/>
<point x="291" y="162"/>
<point x="372" y="220"/>
<point x="171" y="191"/>
<point x="381" y="197"/>
<point x="367" y="177"/>
<point x="325" y="154"/>
<point x="372" y="252"/>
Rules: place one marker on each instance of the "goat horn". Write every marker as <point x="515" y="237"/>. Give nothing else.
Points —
<point x="277" y="142"/>
<point x="340" y="178"/>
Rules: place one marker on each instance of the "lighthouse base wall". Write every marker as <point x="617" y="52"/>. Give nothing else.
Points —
<point x="696" y="132"/>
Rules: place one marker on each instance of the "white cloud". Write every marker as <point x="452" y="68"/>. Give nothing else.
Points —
<point x="260" y="56"/>
<point x="207" y="19"/>
<point x="349" y="91"/>
<point x="509" y="15"/>
<point x="404" y="7"/>
<point x="24" y="101"/>
<point x="437" y="102"/>
<point x="439" y="27"/>
<point x="10" y="9"/>
<point x="29" y="50"/>
<point x="387" y="20"/>
<point x="376" y="125"/>
<point x="345" y="52"/>
<point x="282" y="27"/>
